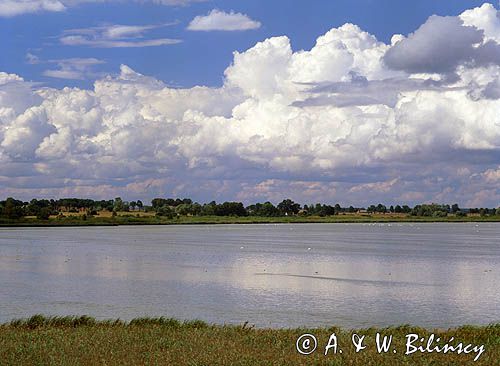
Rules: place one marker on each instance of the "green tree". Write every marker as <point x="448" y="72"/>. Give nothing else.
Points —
<point x="165" y="211"/>
<point x="159" y="202"/>
<point x="43" y="214"/>
<point x="183" y="209"/>
<point x="140" y="205"/>
<point x="13" y="209"/>
<point x="118" y="205"/>
<point x="288" y="207"/>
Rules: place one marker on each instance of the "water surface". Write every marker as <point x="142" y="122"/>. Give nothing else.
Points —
<point x="351" y="275"/>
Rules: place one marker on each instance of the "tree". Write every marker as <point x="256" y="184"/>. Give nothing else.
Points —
<point x="288" y="207"/>
<point x="430" y="210"/>
<point x="118" y="205"/>
<point x="13" y="209"/>
<point x="165" y="211"/>
<point x="133" y="205"/>
<point x="43" y="214"/>
<point x="266" y="209"/>
<point x="140" y="205"/>
<point x="184" y="209"/>
<point x="159" y="202"/>
<point x="230" y="209"/>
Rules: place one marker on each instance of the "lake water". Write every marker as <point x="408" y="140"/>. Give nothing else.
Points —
<point x="351" y="275"/>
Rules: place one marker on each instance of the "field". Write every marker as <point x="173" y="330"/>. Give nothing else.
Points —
<point x="149" y="218"/>
<point x="84" y="341"/>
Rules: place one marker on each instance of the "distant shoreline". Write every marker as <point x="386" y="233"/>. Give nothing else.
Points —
<point x="229" y="220"/>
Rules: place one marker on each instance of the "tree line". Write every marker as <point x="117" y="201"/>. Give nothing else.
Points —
<point x="43" y="208"/>
<point x="12" y="208"/>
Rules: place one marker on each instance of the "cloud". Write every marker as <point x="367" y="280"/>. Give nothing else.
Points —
<point x="492" y="175"/>
<point x="333" y="123"/>
<point x="73" y="68"/>
<point x="32" y="59"/>
<point x="10" y="8"/>
<point x="217" y="20"/>
<point x="380" y="187"/>
<point x="440" y="45"/>
<point x="360" y="91"/>
<point x="484" y="18"/>
<point x="176" y="2"/>
<point x="76" y="40"/>
<point x="115" y="36"/>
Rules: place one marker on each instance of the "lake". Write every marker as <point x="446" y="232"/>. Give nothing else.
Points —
<point x="276" y="275"/>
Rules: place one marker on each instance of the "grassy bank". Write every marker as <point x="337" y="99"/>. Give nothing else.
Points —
<point x="131" y="219"/>
<point x="84" y="341"/>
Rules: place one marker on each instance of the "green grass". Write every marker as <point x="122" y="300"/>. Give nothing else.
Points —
<point x="162" y="341"/>
<point x="191" y="220"/>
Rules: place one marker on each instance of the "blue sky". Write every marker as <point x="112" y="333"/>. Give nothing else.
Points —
<point x="350" y="102"/>
<point x="202" y="57"/>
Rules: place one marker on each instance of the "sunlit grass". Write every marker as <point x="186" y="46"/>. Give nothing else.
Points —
<point x="149" y="219"/>
<point x="163" y="341"/>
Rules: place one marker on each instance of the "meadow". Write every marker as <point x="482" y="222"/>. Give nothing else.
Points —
<point x="148" y="218"/>
<point x="160" y="341"/>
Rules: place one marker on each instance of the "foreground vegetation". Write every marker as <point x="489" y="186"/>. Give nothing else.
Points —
<point x="160" y="341"/>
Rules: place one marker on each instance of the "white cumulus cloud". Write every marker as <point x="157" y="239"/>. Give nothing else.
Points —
<point x="217" y="20"/>
<point x="334" y="123"/>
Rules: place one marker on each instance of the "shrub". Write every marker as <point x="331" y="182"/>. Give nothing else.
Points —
<point x="43" y="214"/>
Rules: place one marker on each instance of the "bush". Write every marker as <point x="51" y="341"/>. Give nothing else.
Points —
<point x="165" y="211"/>
<point x="439" y="214"/>
<point x="43" y="214"/>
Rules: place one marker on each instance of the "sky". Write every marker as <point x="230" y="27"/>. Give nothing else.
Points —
<point x="355" y="102"/>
